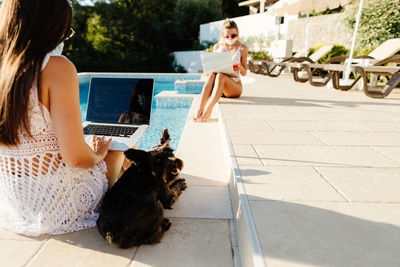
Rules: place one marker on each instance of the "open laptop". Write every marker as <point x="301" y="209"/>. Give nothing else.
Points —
<point x="119" y="108"/>
<point x="217" y="62"/>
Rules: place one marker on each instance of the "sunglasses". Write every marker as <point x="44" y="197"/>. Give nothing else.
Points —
<point x="232" y="36"/>
<point x="69" y="33"/>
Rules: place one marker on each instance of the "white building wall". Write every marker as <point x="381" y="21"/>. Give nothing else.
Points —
<point x="190" y="60"/>
<point x="260" y="25"/>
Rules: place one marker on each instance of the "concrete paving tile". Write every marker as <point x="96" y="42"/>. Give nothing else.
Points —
<point x="393" y="115"/>
<point x="17" y="252"/>
<point x="200" y="163"/>
<point x="263" y="137"/>
<point x="202" y="202"/>
<point x="271" y="104"/>
<point x="328" y="234"/>
<point x="287" y="183"/>
<point x="391" y="152"/>
<point x="323" y="156"/>
<point x="246" y="155"/>
<point x="201" y="150"/>
<point x="193" y="180"/>
<point x="8" y="235"/>
<point x="355" y="115"/>
<point x="248" y="125"/>
<point x="387" y="126"/>
<point x="277" y="116"/>
<point x="317" y="126"/>
<point x="366" y="184"/>
<point x="359" y="138"/>
<point x="83" y="248"/>
<point x="189" y="242"/>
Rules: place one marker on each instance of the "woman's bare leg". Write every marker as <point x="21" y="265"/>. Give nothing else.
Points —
<point x="205" y="94"/>
<point x="114" y="161"/>
<point x="116" y="165"/>
<point x="223" y="85"/>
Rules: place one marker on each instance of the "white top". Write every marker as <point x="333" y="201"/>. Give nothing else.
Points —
<point x="39" y="192"/>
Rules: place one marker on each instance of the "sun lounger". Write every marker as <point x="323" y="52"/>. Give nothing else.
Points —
<point x="383" y="54"/>
<point x="262" y="66"/>
<point x="370" y="87"/>
<point x="268" y="68"/>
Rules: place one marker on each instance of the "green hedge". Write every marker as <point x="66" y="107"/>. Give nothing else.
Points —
<point x="380" y="21"/>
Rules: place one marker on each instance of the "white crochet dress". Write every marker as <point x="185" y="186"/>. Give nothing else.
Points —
<point x="39" y="192"/>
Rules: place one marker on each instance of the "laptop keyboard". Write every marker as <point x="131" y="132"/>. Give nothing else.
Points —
<point x="109" y="130"/>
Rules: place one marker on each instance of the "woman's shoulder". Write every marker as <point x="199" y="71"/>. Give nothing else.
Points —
<point x="58" y="62"/>
<point x="243" y="47"/>
<point x="58" y="71"/>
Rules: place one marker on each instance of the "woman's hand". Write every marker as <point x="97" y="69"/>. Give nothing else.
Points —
<point x="100" y="147"/>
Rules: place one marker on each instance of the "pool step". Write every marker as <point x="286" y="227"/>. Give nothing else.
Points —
<point x="188" y="86"/>
<point x="171" y="99"/>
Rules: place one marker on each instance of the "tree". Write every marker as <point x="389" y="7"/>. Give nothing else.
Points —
<point x="230" y="9"/>
<point x="380" y="21"/>
<point x="136" y="35"/>
<point x="124" y="35"/>
<point x="188" y="15"/>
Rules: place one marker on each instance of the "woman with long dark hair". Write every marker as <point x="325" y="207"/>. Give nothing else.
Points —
<point x="51" y="181"/>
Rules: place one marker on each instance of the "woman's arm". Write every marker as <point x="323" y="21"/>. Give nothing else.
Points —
<point x="61" y="79"/>
<point x="215" y="47"/>
<point x="243" y="60"/>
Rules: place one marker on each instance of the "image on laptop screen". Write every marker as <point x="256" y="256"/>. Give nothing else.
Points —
<point x="120" y="100"/>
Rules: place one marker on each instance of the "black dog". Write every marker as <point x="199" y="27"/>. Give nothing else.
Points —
<point x="131" y="212"/>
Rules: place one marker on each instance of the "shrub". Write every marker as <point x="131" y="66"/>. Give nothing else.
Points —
<point x="380" y="21"/>
<point x="188" y="15"/>
<point x="337" y="50"/>
<point x="258" y="55"/>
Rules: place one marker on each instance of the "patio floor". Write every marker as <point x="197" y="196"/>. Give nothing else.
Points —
<point x="321" y="170"/>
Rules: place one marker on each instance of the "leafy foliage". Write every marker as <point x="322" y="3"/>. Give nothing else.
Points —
<point x="137" y="35"/>
<point x="230" y="9"/>
<point x="337" y="50"/>
<point x="380" y="21"/>
<point x="257" y="55"/>
<point x="188" y="15"/>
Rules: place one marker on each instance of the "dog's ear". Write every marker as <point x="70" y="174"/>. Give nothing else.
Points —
<point x="165" y="137"/>
<point x="136" y="155"/>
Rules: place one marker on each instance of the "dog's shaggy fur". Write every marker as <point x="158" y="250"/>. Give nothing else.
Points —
<point x="131" y="212"/>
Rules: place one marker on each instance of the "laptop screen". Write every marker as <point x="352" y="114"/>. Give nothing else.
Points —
<point x="120" y="100"/>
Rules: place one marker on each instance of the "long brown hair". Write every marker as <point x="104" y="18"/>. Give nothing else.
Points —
<point x="29" y="29"/>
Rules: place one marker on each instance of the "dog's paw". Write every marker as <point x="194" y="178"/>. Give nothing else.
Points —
<point x="167" y="204"/>
<point x="165" y="224"/>
<point x="182" y="183"/>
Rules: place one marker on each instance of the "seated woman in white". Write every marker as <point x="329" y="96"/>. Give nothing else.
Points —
<point x="219" y="84"/>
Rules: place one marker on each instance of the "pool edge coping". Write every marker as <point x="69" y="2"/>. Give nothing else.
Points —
<point x="251" y="253"/>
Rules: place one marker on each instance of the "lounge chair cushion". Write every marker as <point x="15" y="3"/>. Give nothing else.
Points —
<point x="386" y="49"/>
<point x="317" y="55"/>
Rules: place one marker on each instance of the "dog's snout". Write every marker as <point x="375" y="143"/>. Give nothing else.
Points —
<point x="179" y="164"/>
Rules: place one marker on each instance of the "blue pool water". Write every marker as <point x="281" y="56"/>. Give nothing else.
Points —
<point x="171" y="118"/>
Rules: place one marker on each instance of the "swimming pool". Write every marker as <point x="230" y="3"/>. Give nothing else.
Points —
<point x="162" y="116"/>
